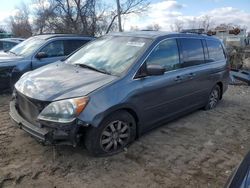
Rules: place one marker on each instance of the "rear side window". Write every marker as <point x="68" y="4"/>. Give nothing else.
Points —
<point x="72" y="45"/>
<point x="215" y="51"/>
<point x="192" y="51"/>
<point x="165" y="54"/>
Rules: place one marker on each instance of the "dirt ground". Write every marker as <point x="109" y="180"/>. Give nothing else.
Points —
<point x="199" y="150"/>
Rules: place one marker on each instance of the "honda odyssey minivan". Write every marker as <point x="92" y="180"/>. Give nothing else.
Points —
<point x="119" y="86"/>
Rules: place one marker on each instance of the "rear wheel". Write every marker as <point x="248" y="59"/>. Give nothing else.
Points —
<point x="112" y="136"/>
<point x="214" y="98"/>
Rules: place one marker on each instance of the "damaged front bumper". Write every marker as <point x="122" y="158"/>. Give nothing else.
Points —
<point x="60" y="135"/>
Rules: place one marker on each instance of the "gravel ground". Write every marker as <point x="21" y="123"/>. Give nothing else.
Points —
<point x="198" y="150"/>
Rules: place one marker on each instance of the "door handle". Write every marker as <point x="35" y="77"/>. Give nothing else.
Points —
<point x="191" y="75"/>
<point x="178" y="78"/>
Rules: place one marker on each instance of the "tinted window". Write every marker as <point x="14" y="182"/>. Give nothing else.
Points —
<point x="72" y="45"/>
<point x="54" y="49"/>
<point x="4" y="45"/>
<point x="165" y="54"/>
<point x="192" y="52"/>
<point x="215" y="50"/>
<point x="8" y="45"/>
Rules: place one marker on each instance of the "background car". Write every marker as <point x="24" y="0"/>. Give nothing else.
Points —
<point x="8" y="43"/>
<point x="240" y="178"/>
<point x="35" y="52"/>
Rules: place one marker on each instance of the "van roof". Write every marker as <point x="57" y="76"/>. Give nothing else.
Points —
<point x="157" y="34"/>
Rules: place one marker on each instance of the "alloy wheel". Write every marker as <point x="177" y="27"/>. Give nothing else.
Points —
<point x="214" y="98"/>
<point x="115" y="136"/>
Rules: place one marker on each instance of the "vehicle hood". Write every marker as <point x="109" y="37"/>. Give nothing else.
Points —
<point x="60" y="81"/>
<point x="8" y="57"/>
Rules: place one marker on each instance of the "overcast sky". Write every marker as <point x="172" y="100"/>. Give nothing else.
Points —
<point x="165" y="12"/>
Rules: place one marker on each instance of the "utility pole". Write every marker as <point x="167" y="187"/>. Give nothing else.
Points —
<point x="119" y="15"/>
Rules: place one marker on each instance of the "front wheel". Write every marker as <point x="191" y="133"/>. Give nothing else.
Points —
<point x="214" y="98"/>
<point x="112" y="135"/>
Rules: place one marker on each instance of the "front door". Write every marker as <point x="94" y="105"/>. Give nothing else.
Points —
<point x="54" y="52"/>
<point x="165" y="95"/>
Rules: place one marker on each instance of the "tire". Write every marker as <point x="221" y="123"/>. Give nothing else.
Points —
<point x="214" y="98"/>
<point x="114" y="133"/>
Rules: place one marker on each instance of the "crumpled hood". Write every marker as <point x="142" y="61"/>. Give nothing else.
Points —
<point x="8" y="57"/>
<point x="60" y="81"/>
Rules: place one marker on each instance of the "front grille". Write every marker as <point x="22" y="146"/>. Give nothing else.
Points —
<point x="28" y="108"/>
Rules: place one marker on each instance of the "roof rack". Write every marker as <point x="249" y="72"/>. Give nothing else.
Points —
<point x="197" y="31"/>
<point x="148" y="30"/>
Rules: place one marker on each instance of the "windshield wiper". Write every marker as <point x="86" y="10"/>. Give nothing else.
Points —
<point x="12" y="52"/>
<point x="93" y="68"/>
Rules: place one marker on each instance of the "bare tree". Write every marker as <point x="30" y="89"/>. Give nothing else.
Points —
<point x="128" y="7"/>
<point x="134" y="28"/>
<point x="90" y="17"/>
<point x="2" y="30"/>
<point x="76" y="16"/>
<point x="67" y="16"/>
<point x="206" y="22"/>
<point x="154" y="27"/>
<point x="44" y="14"/>
<point x="20" y="25"/>
<point x="177" y="26"/>
<point x="193" y="23"/>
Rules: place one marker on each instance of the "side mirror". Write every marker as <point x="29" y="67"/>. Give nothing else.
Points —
<point x="154" y="70"/>
<point x="41" y="55"/>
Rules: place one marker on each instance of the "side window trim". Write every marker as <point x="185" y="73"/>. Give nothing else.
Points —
<point x="179" y="50"/>
<point x="205" y="50"/>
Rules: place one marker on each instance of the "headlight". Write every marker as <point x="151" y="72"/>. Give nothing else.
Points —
<point x="64" y="111"/>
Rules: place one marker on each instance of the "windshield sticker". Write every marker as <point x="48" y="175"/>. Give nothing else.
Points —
<point x="136" y="44"/>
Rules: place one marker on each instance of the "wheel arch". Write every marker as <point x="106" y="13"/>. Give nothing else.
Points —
<point x="99" y="118"/>
<point x="220" y="84"/>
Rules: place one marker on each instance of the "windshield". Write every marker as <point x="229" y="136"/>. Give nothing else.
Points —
<point x="111" y="54"/>
<point x="27" y="47"/>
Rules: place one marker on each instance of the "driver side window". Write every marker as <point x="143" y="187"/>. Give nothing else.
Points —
<point x="165" y="54"/>
<point x="54" y="49"/>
